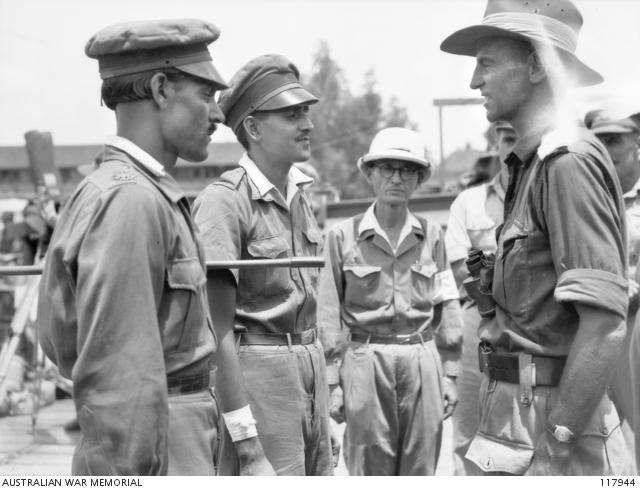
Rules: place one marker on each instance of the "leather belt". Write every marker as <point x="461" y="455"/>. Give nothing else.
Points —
<point x="414" y="338"/>
<point x="181" y="385"/>
<point x="289" y="338"/>
<point x="505" y="366"/>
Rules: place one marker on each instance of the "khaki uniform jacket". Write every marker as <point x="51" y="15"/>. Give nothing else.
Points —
<point x="122" y="306"/>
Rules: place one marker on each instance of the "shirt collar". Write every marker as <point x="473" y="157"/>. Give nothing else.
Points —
<point x="495" y="185"/>
<point x="370" y="223"/>
<point x="295" y="179"/>
<point x="146" y="160"/>
<point x="147" y="166"/>
<point x="529" y="143"/>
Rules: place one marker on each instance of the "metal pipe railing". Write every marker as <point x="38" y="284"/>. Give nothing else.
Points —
<point x="34" y="270"/>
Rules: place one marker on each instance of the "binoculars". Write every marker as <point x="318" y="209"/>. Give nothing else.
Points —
<point x="478" y="286"/>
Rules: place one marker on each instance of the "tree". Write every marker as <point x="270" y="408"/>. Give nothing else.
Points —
<point x="345" y="123"/>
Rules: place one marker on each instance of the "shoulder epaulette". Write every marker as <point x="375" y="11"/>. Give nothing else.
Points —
<point x="557" y="142"/>
<point x="231" y="178"/>
<point x="114" y="172"/>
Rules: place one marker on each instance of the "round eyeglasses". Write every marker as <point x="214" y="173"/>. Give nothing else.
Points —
<point x="387" y="171"/>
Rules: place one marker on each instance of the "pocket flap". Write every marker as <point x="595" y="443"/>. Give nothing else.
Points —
<point x="427" y="270"/>
<point x="186" y="274"/>
<point x="491" y="455"/>
<point x="361" y="270"/>
<point x="270" y="248"/>
<point x="515" y="232"/>
<point x="313" y="235"/>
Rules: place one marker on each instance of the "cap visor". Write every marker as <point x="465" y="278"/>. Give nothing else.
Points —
<point x="206" y="71"/>
<point x="288" y="98"/>
<point x="612" y="129"/>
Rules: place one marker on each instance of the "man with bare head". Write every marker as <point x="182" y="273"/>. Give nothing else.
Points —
<point x="559" y="281"/>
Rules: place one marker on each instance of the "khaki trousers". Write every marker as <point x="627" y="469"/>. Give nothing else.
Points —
<point x="393" y="408"/>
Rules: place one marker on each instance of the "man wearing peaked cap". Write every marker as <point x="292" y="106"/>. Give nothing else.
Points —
<point x="621" y="138"/>
<point x="261" y="211"/>
<point x="560" y="278"/>
<point x="388" y="312"/>
<point x="123" y="309"/>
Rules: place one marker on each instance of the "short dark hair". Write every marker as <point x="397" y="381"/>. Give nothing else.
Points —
<point x="241" y="133"/>
<point x="131" y="88"/>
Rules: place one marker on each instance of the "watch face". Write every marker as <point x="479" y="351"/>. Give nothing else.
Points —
<point x="562" y="434"/>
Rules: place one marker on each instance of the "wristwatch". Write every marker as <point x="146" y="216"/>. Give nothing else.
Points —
<point x="561" y="433"/>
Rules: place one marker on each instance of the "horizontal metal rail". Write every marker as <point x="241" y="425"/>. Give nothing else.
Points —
<point x="34" y="270"/>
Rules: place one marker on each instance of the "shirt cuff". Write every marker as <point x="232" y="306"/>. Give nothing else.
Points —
<point x="445" y="286"/>
<point x="218" y="253"/>
<point x="595" y="288"/>
<point x="457" y="252"/>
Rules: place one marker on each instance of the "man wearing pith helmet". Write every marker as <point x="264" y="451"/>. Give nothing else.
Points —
<point x="122" y="308"/>
<point x="559" y="281"/>
<point x="390" y="319"/>
<point x="261" y="211"/>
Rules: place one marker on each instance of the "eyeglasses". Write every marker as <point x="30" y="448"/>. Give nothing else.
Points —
<point x="387" y="171"/>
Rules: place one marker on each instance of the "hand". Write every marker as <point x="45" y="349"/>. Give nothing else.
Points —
<point x="252" y="460"/>
<point x="449" y="395"/>
<point x="550" y="457"/>
<point x="336" y="404"/>
<point x="335" y="447"/>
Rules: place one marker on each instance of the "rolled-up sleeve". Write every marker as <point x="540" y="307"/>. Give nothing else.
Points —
<point x="217" y="214"/>
<point x="587" y="242"/>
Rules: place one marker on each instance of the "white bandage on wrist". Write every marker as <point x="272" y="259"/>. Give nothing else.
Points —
<point x="240" y="423"/>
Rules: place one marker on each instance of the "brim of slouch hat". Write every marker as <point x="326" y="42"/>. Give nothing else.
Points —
<point x="465" y="42"/>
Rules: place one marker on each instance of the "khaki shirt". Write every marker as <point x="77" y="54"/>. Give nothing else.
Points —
<point x="243" y="216"/>
<point x="123" y="303"/>
<point x="563" y="241"/>
<point x="473" y="218"/>
<point x="367" y="287"/>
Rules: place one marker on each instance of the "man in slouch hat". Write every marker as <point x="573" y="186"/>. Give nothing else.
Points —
<point x="559" y="282"/>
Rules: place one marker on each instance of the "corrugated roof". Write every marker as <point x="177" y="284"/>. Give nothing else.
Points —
<point x="70" y="156"/>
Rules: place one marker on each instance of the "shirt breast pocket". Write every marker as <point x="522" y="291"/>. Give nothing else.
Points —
<point x="363" y="286"/>
<point x="511" y="269"/>
<point x="313" y="239"/>
<point x="268" y="281"/>
<point x="183" y="315"/>
<point x="423" y="284"/>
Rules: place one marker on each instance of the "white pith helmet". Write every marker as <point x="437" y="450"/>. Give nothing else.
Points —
<point x="397" y="144"/>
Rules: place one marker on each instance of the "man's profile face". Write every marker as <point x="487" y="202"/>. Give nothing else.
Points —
<point x="623" y="149"/>
<point x="285" y="133"/>
<point x="191" y="118"/>
<point x="501" y="75"/>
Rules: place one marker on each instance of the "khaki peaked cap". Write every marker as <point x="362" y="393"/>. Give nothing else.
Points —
<point x="266" y="83"/>
<point x="141" y="46"/>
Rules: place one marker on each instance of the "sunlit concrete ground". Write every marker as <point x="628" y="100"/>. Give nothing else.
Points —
<point x="49" y="450"/>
